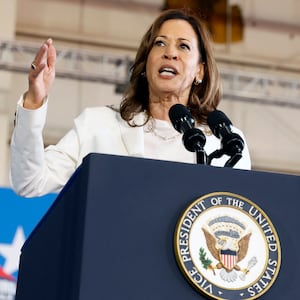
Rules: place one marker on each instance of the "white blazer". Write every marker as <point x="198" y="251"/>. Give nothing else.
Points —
<point x="35" y="171"/>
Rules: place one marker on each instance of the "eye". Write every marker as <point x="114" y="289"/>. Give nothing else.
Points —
<point x="159" y="43"/>
<point x="184" y="46"/>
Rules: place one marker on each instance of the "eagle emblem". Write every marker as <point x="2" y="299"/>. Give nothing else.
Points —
<point x="227" y="241"/>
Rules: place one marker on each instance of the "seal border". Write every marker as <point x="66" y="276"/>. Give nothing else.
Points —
<point x="178" y="256"/>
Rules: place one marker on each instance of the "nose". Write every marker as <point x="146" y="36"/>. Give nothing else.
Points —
<point x="170" y="53"/>
<point x="167" y="56"/>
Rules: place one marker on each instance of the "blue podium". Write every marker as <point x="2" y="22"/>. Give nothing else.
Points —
<point x="110" y="232"/>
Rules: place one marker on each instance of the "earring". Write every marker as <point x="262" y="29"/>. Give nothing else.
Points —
<point x="143" y="74"/>
<point x="197" y="81"/>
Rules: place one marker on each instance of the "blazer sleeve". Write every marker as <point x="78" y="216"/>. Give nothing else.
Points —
<point x="35" y="171"/>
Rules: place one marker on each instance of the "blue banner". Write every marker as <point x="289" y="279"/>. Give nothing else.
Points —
<point x="18" y="217"/>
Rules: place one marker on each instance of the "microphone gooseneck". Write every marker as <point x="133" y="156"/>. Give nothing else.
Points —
<point x="193" y="138"/>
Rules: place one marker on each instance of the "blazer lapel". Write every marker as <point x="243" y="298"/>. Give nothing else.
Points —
<point x="133" y="137"/>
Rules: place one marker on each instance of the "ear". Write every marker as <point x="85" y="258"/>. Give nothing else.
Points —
<point x="200" y="72"/>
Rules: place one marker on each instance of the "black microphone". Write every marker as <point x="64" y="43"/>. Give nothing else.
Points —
<point x="232" y="144"/>
<point x="193" y="138"/>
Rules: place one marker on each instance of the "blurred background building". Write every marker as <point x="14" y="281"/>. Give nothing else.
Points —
<point x="257" y="46"/>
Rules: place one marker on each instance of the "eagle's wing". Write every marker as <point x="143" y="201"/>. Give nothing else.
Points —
<point x="243" y="246"/>
<point x="211" y="244"/>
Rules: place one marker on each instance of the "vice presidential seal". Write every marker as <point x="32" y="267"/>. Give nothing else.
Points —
<point x="227" y="247"/>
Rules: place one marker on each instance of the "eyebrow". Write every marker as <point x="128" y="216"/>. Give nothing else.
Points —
<point x="180" y="39"/>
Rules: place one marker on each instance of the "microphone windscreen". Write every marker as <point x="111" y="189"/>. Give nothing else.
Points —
<point x="178" y="111"/>
<point x="216" y="119"/>
<point x="178" y="114"/>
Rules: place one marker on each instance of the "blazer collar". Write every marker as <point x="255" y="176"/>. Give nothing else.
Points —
<point x="133" y="137"/>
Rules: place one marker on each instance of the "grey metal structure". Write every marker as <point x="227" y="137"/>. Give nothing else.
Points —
<point x="240" y="82"/>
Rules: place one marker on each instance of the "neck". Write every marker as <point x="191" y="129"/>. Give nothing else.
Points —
<point x="159" y="107"/>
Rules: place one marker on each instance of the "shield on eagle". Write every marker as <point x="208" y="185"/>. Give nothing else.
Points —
<point x="228" y="258"/>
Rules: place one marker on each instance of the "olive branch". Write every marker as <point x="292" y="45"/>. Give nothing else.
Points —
<point x="205" y="261"/>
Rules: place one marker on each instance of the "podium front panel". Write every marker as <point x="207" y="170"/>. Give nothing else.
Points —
<point x="117" y="219"/>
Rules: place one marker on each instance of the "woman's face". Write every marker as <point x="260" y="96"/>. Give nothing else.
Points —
<point x="174" y="61"/>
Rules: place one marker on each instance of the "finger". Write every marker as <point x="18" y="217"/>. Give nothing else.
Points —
<point x="49" y="42"/>
<point x="34" y="73"/>
<point x="51" y="55"/>
<point x="40" y="57"/>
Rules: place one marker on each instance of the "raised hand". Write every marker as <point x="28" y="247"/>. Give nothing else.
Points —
<point x="41" y="76"/>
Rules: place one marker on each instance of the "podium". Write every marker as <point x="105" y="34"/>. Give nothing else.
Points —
<point x="109" y="234"/>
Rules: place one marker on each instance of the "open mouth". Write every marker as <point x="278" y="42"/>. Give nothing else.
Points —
<point x="167" y="71"/>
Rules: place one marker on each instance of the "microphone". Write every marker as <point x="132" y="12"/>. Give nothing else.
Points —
<point x="232" y="144"/>
<point x="193" y="138"/>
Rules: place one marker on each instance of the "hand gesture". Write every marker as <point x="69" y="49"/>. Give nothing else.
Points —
<point x="41" y="76"/>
